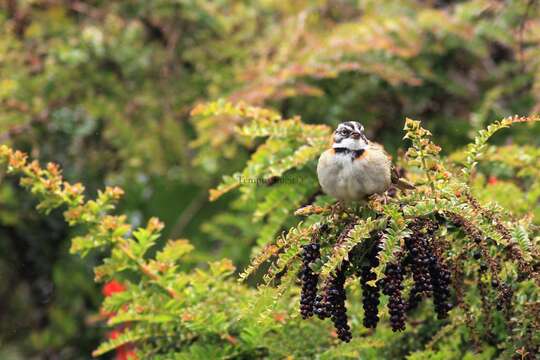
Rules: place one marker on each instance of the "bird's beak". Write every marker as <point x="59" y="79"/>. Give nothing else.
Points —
<point x="356" y="135"/>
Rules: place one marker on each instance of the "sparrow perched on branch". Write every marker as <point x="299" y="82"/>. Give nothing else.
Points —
<point x="355" y="168"/>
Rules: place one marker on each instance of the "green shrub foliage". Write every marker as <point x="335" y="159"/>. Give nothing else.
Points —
<point x="163" y="98"/>
<point x="408" y="258"/>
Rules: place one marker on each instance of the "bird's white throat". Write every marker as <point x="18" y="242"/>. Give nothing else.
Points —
<point x="351" y="144"/>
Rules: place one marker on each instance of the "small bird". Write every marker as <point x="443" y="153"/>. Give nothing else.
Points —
<point x="355" y="168"/>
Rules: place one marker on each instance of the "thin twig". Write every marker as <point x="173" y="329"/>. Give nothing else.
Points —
<point x="187" y="215"/>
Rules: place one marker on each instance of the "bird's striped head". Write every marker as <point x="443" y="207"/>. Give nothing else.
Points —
<point x="350" y="136"/>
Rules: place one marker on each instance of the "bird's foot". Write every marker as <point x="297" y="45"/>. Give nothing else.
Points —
<point x="336" y="208"/>
<point x="339" y="208"/>
<point x="379" y="199"/>
<point x="343" y="209"/>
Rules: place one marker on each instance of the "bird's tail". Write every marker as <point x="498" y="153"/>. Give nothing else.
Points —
<point x="403" y="184"/>
<point x="400" y="182"/>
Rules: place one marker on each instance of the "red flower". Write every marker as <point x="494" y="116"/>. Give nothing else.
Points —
<point x="125" y="352"/>
<point x="112" y="287"/>
<point x="492" y="180"/>
<point x="114" y="334"/>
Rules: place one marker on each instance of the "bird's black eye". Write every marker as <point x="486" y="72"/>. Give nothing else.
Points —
<point x="345" y="132"/>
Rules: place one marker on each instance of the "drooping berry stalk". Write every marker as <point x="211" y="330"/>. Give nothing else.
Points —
<point x="420" y="256"/>
<point x="370" y="298"/>
<point x="310" y="253"/>
<point x="321" y="308"/>
<point x="336" y="296"/>
<point x="392" y="286"/>
<point x="370" y="293"/>
<point x="431" y="276"/>
<point x="414" y="298"/>
<point x="440" y="279"/>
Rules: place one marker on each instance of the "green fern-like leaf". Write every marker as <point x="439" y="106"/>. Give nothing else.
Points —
<point x="521" y="237"/>
<point x="391" y="242"/>
<point x="479" y="145"/>
<point x="126" y="337"/>
<point x="340" y="252"/>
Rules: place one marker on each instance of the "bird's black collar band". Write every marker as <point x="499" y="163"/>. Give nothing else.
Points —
<point x="354" y="153"/>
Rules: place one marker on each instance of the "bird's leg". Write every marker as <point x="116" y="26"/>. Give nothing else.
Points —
<point x="380" y="198"/>
<point x="337" y="208"/>
<point x="352" y="210"/>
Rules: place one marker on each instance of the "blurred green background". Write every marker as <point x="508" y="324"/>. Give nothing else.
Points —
<point x="105" y="88"/>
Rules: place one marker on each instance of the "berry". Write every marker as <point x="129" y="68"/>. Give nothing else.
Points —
<point x="441" y="279"/>
<point x="321" y="307"/>
<point x="370" y="299"/>
<point x="392" y="286"/>
<point x="414" y="299"/>
<point x="431" y="277"/>
<point x="310" y="253"/>
<point x="370" y="293"/>
<point x="335" y="297"/>
<point x="421" y="254"/>
<point x="483" y="267"/>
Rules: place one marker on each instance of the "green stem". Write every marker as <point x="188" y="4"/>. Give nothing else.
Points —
<point x="424" y="164"/>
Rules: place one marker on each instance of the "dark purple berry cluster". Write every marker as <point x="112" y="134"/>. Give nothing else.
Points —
<point x="431" y="276"/>
<point x="415" y="298"/>
<point x="370" y="293"/>
<point x="321" y="308"/>
<point x="335" y="302"/>
<point x="392" y="285"/>
<point x="370" y="300"/>
<point x="331" y="304"/>
<point x="310" y="253"/>
<point x="440" y="277"/>
<point x="421" y="257"/>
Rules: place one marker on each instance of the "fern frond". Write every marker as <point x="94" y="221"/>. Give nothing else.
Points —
<point x="290" y="144"/>
<point x="264" y="255"/>
<point x="222" y="107"/>
<point x="284" y="196"/>
<point x="255" y="173"/>
<point x="128" y="336"/>
<point x="298" y="159"/>
<point x="521" y="238"/>
<point x="152" y="318"/>
<point x="479" y="145"/>
<point x="340" y="251"/>
<point x="284" y="261"/>
<point x="392" y="240"/>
